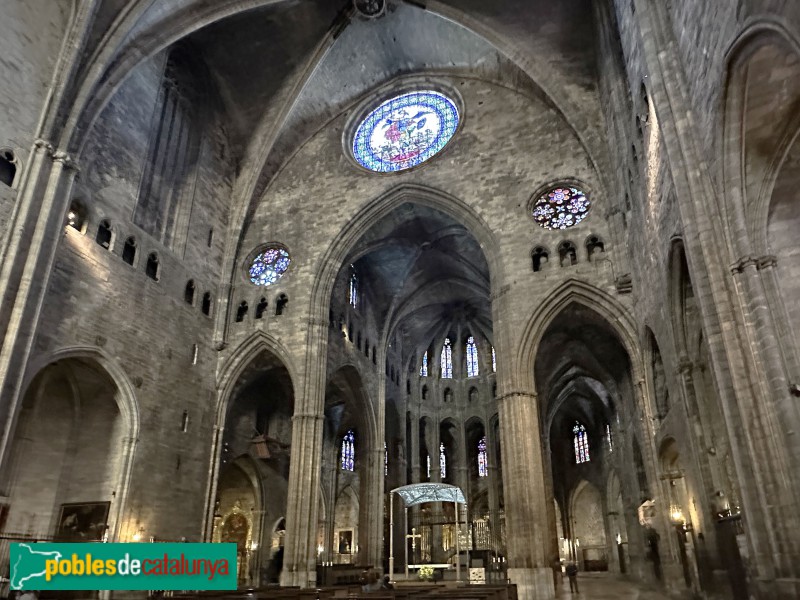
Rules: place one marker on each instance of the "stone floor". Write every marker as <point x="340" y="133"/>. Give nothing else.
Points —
<point x="607" y="586"/>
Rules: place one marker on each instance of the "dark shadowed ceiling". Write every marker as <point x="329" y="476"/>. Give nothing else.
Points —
<point x="426" y="272"/>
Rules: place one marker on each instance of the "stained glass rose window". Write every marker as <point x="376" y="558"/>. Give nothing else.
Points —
<point x="269" y="266"/>
<point x="561" y="208"/>
<point x="405" y="131"/>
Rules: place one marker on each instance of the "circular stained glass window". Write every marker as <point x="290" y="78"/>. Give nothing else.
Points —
<point x="561" y="208"/>
<point x="405" y="131"/>
<point x="269" y="266"/>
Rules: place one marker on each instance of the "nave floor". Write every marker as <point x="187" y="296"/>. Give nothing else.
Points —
<point x="607" y="586"/>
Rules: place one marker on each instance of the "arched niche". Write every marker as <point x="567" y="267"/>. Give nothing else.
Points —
<point x="68" y="473"/>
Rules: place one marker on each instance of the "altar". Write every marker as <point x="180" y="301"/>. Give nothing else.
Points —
<point x="421" y="493"/>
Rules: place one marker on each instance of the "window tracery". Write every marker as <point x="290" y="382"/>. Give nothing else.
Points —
<point x="353" y="291"/>
<point x="560" y="208"/>
<point x="348" y="451"/>
<point x="405" y="131"/>
<point x="447" y="359"/>
<point x="483" y="470"/>
<point x="472" y="357"/>
<point x="581" y="443"/>
<point x="269" y="266"/>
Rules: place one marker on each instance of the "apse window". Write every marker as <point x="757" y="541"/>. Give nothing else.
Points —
<point x="423" y="370"/>
<point x="405" y="131"/>
<point x="447" y="360"/>
<point x="353" y="290"/>
<point x="483" y="469"/>
<point x="561" y="208"/>
<point x="472" y="357"/>
<point x="581" y="443"/>
<point x="442" y="461"/>
<point x="348" y="451"/>
<point x="269" y="266"/>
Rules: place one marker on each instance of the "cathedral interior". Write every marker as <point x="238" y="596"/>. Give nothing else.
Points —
<point x="266" y="261"/>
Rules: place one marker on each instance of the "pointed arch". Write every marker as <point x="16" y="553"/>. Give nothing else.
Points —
<point x="584" y="294"/>
<point x="241" y="357"/>
<point x="126" y="404"/>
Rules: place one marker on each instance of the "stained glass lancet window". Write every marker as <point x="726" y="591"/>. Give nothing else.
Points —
<point x="494" y="361"/>
<point x="608" y="438"/>
<point x="442" y="461"/>
<point x="348" y="451"/>
<point x="581" y="443"/>
<point x="385" y="459"/>
<point x="472" y="357"/>
<point x="405" y="131"/>
<point x="423" y="370"/>
<point x="483" y="470"/>
<point x="269" y="266"/>
<point x="447" y="360"/>
<point x="429" y="467"/>
<point x="353" y="291"/>
<point x="561" y="208"/>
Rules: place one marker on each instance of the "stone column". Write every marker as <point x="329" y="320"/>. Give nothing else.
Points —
<point x="28" y="256"/>
<point x="524" y="485"/>
<point x="494" y="483"/>
<point x="305" y="467"/>
<point x="373" y="553"/>
<point x="413" y="448"/>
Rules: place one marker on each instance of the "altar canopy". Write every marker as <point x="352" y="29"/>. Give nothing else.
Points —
<point x="418" y="493"/>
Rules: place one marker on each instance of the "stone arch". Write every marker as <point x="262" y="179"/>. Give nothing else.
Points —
<point x="734" y="107"/>
<point x="258" y="344"/>
<point x="109" y="409"/>
<point x="354" y="381"/>
<point x="657" y="375"/>
<point x="242" y="356"/>
<point x="377" y="209"/>
<point x="126" y="400"/>
<point x="586" y="295"/>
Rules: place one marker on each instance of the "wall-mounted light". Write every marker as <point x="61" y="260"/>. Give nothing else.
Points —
<point x="676" y="515"/>
<point x="137" y="537"/>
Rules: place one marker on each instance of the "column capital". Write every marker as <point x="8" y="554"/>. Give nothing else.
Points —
<point x="307" y="416"/>
<point x="767" y="261"/>
<point x="685" y="365"/>
<point x="66" y="160"/>
<point x="43" y="146"/>
<point x="516" y="393"/>
<point x="743" y="263"/>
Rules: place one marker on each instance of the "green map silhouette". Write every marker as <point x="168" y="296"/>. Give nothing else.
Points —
<point x="29" y="566"/>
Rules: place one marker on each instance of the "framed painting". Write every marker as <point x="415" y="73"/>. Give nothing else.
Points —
<point x="346" y="541"/>
<point x="82" y="522"/>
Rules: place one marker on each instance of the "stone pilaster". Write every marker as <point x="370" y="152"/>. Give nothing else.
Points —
<point x="28" y="258"/>
<point x="299" y="567"/>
